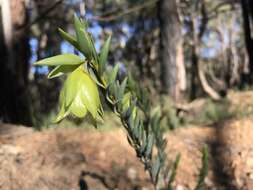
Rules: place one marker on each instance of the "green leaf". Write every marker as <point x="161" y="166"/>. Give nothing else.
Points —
<point x="83" y="39"/>
<point x="140" y="128"/>
<point x="122" y="89"/>
<point x="173" y="171"/>
<point x="79" y="23"/>
<point x="94" y="52"/>
<point x="204" y="170"/>
<point x="144" y="142"/>
<point x="131" y="121"/>
<point x="69" y="38"/>
<point x="104" y="54"/>
<point x="155" y="169"/>
<point x="136" y="127"/>
<point x="113" y="74"/>
<point x="130" y="141"/>
<point x="108" y="95"/>
<point x="64" y="59"/>
<point x="101" y="112"/>
<point x="85" y="43"/>
<point x="150" y="144"/>
<point x="61" y="70"/>
<point x="131" y="83"/>
<point x="115" y="92"/>
<point x="126" y="100"/>
<point x="94" y="76"/>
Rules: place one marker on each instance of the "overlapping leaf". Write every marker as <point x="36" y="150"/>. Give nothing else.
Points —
<point x="64" y="59"/>
<point x="103" y="55"/>
<point x="61" y="70"/>
<point x="69" y="38"/>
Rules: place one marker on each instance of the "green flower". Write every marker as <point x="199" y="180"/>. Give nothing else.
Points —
<point x="79" y="96"/>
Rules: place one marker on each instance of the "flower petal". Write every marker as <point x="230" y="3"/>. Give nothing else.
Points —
<point x="89" y="94"/>
<point x="78" y="108"/>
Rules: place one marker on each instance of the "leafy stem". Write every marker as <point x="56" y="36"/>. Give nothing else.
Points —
<point x="80" y="96"/>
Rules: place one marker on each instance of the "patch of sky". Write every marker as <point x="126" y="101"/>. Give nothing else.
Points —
<point x="66" y="48"/>
<point x="89" y="15"/>
<point x="127" y="29"/>
<point x="33" y="42"/>
<point x="33" y="46"/>
<point x="71" y="2"/>
<point x="212" y="45"/>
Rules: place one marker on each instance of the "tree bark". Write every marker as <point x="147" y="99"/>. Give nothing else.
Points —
<point x="14" y="55"/>
<point x="246" y="7"/>
<point x="171" y="54"/>
<point x="197" y="64"/>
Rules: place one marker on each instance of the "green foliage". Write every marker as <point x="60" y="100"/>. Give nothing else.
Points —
<point x="216" y="112"/>
<point x="103" y="55"/>
<point x="71" y="39"/>
<point x="83" y="38"/>
<point x="171" y="119"/>
<point x="80" y="95"/>
<point x="61" y="60"/>
<point x="173" y="172"/>
<point x="204" y="170"/>
<point x="61" y="70"/>
<point x="213" y="112"/>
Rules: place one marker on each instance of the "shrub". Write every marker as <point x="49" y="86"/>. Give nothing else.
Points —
<point x="88" y="80"/>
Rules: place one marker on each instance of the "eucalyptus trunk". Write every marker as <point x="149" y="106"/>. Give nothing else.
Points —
<point x="246" y="7"/>
<point x="171" y="54"/>
<point x="14" y="55"/>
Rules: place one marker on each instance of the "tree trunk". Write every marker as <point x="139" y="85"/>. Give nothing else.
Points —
<point x="246" y="7"/>
<point x="171" y="54"/>
<point x="197" y="64"/>
<point x="250" y="2"/>
<point x="14" y="55"/>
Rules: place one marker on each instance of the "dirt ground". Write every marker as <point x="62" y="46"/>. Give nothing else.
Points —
<point x="67" y="159"/>
<point x="79" y="159"/>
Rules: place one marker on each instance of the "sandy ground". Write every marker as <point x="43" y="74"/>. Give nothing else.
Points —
<point x="79" y="159"/>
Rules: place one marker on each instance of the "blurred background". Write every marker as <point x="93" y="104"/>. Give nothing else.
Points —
<point x="184" y="52"/>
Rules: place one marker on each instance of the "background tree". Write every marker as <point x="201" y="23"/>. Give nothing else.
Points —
<point x="246" y="7"/>
<point x="171" y="54"/>
<point x="14" y="54"/>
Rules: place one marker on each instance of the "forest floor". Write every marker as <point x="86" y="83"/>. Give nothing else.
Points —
<point x="77" y="158"/>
